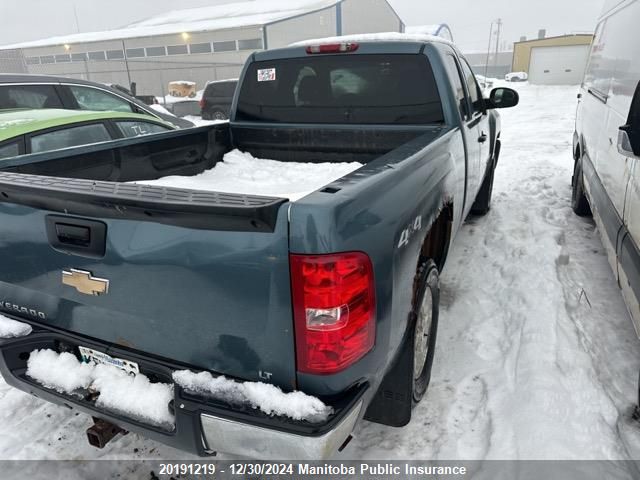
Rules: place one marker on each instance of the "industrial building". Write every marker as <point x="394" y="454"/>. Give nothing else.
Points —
<point x="553" y="60"/>
<point x="197" y="44"/>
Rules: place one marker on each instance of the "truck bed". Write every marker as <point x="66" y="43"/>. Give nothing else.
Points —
<point x="242" y="173"/>
<point x="190" y="258"/>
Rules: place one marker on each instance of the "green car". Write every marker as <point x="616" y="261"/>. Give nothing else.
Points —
<point x="24" y="131"/>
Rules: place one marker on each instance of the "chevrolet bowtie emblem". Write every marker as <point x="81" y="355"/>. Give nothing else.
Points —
<point x="84" y="282"/>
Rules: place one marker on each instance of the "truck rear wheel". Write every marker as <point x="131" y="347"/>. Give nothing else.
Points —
<point x="483" y="200"/>
<point x="425" y="312"/>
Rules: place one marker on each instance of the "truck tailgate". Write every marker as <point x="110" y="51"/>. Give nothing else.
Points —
<point x="203" y="279"/>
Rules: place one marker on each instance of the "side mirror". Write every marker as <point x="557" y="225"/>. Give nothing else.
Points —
<point x="502" y="97"/>
<point x="629" y="141"/>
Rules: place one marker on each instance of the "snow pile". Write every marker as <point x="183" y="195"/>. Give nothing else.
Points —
<point x="133" y="396"/>
<point x="10" y="328"/>
<point x="244" y="174"/>
<point x="267" y="398"/>
<point x="60" y="372"/>
<point x="199" y="121"/>
<point x="159" y="108"/>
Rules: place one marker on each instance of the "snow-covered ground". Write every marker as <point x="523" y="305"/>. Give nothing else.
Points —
<point x="536" y="357"/>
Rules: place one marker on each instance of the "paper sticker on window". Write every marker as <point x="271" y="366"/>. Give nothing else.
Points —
<point x="267" y="75"/>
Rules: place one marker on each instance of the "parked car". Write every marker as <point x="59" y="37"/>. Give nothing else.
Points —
<point x="43" y="91"/>
<point x="516" y="77"/>
<point x="184" y="108"/>
<point x="334" y="294"/>
<point x="24" y="131"/>
<point x="484" y="82"/>
<point x="606" y="145"/>
<point x="216" y="99"/>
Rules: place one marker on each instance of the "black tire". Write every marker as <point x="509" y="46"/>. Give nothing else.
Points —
<point x="482" y="203"/>
<point x="219" y="115"/>
<point x="427" y="301"/>
<point x="579" y="202"/>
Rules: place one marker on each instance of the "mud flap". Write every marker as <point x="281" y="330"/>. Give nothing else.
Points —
<point x="392" y="403"/>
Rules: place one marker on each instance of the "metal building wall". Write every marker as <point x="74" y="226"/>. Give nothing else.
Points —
<point x="12" y="61"/>
<point x="152" y="74"/>
<point x="368" y="16"/>
<point x="322" y="23"/>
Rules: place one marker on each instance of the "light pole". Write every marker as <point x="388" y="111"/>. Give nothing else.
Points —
<point x="486" y="64"/>
<point x="499" y="22"/>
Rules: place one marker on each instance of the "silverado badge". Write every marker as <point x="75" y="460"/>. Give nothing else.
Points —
<point x="84" y="282"/>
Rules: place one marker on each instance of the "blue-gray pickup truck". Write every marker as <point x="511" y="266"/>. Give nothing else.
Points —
<point x="334" y="294"/>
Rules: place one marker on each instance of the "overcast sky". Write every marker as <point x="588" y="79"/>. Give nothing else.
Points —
<point x="469" y="19"/>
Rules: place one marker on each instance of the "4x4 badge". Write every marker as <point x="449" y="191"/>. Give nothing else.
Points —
<point x="84" y="282"/>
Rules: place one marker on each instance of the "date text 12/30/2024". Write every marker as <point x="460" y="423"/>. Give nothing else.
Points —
<point x="309" y="469"/>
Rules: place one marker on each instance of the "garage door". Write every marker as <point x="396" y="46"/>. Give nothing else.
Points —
<point x="558" y="65"/>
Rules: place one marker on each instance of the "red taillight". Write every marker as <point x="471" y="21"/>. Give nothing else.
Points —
<point x="202" y="103"/>
<point x="333" y="48"/>
<point x="333" y="309"/>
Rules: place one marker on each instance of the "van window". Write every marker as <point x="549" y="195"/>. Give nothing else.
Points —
<point x="368" y="89"/>
<point x="616" y="63"/>
<point x="598" y="74"/>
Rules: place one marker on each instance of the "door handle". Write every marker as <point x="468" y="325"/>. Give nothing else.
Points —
<point x="482" y="138"/>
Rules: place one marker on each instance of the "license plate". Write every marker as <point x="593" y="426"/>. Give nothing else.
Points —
<point x="90" y="355"/>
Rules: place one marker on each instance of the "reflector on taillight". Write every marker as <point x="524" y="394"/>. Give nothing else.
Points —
<point x="334" y="310"/>
<point x="333" y="48"/>
<point x="202" y="103"/>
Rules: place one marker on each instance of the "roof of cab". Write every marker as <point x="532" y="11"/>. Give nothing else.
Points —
<point x="21" y="121"/>
<point x="376" y="38"/>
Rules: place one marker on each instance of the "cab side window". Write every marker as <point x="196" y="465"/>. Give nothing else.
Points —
<point x="475" y="94"/>
<point x="99" y="100"/>
<point x="454" y="74"/>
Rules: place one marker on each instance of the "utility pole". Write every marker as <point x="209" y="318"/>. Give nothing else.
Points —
<point x="499" y="22"/>
<point x="126" y="63"/>
<point x="84" y="61"/>
<point x="486" y="64"/>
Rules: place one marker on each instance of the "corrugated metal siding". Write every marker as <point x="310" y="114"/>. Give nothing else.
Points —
<point x="152" y="74"/>
<point x="368" y="16"/>
<point x="311" y="25"/>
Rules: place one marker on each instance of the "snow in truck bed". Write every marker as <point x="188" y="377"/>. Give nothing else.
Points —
<point x="242" y="173"/>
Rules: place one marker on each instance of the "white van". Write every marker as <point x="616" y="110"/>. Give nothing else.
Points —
<point x="606" y="144"/>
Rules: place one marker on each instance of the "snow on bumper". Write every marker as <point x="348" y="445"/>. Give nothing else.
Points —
<point x="202" y="425"/>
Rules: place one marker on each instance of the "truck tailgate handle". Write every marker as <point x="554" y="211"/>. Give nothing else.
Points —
<point x="482" y="138"/>
<point x="76" y="236"/>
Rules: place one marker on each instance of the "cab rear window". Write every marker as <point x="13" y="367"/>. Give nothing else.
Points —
<point x="365" y="89"/>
